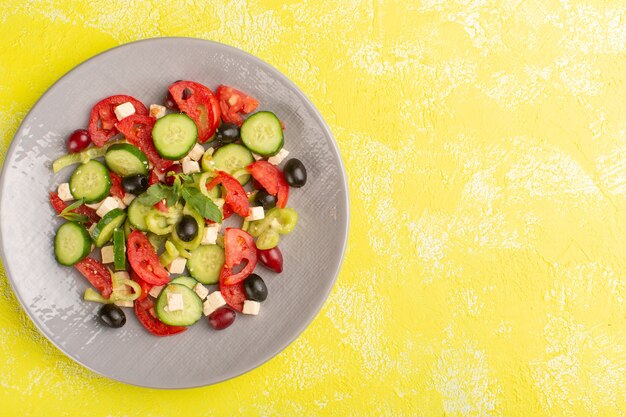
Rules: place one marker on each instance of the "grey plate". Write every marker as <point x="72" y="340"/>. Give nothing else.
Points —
<point x="52" y="295"/>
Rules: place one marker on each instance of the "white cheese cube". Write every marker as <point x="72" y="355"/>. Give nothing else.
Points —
<point x="196" y="152"/>
<point x="210" y="234"/>
<point x="107" y="254"/>
<point x="156" y="290"/>
<point x="178" y="265"/>
<point x="157" y="111"/>
<point x="64" y="192"/>
<point x="95" y="206"/>
<point x="279" y="157"/>
<point x="125" y="303"/>
<point x="255" y="213"/>
<point x="213" y="302"/>
<point x="128" y="198"/>
<point x="257" y="157"/>
<point x="251" y="307"/>
<point x="107" y="205"/>
<point x="190" y="167"/>
<point x="120" y="203"/>
<point x="174" y="301"/>
<point x="201" y="290"/>
<point x="124" y="110"/>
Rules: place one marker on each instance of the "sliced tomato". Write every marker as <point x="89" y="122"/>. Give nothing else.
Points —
<point x="198" y="102"/>
<point x="143" y="309"/>
<point x="97" y="274"/>
<point x="116" y="185"/>
<point x="144" y="259"/>
<point x="154" y="178"/>
<point x="161" y="206"/>
<point x="270" y="178"/>
<point x="234" y="103"/>
<point x="102" y="119"/>
<point x="138" y="130"/>
<point x="240" y="250"/>
<point x="234" y="295"/>
<point x="227" y="211"/>
<point x="145" y="287"/>
<point x="235" y="197"/>
<point x="60" y="205"/>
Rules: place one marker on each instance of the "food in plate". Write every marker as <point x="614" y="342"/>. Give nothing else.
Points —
<point x="150" y="189"/>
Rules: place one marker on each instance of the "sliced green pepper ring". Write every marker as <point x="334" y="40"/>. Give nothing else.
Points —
<point x="281" y="221"/>
<point x="161" y="223"/>
<point x="191" y="245"/>
<point x="268" y="240"/>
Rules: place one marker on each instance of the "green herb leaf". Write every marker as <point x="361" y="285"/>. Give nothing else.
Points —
<point x="187" y="179"/>
<point x="71" y="207"/>
<point x="75" y="217"/>
<point x="202" y="204"/>
<point x="154" y="194"/>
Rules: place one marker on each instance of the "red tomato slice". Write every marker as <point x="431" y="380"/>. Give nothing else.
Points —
<point x="59" y="205"/>
<point x="161" y="206"/>
<point x="270" y="178"/>
<point x="234" y="295"/>
<point x="102" y="119"/>
<point x="145" y="287"/>
<point x="138" y="131"/>
<point x="150" y="322"/>
<point x="202" y="106"/>
<point x="235" y="197"/>
<point x="239" y="247"/>
<point x="227" y="211"/>
<point x="116" y="185"/>
<point x="234" y="103"/>
<point x="97" y="274"/>
<point x="144" y="260"/>
<point x="153" y="178"/>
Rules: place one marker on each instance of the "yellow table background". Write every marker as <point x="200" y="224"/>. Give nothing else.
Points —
<point x="485" y="142"/>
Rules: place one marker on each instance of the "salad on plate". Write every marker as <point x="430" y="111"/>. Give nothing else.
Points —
<point x="145" y="205"/>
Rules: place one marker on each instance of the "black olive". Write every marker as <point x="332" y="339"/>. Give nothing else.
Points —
<point x="169" y="102"/>
<point x="295" y="173"/>
<point x="255" y="288"/>
<point x="265" y="199"/>
<point x="227" y="133"/>
<point x="187" y="228"/>
<point x="112" y="315"/>
<point x="135" y="184"/>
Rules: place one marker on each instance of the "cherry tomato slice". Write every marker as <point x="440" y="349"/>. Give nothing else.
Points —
<point x="102" y="119"/>
<point x="138" y="131"/>
<point x="199" y="103"/>
<point x="97" y="274"/>
<point x="271" y="259"/>
<point x="234" y="295"/>
<point x="270" y="178"/>
<point x="144" y="260"/>
<point x="239" y="247"/>
<point x="235" y="197"/>
<point x="60" y="205"/>
<point x="234" y="103"/>
<point x="143" y="307"/>
<point x="116" y="185"/>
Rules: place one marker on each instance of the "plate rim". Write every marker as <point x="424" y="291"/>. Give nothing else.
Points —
<point x="333" y="145"/>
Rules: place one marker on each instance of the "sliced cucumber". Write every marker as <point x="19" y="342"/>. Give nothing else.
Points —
<point x="186" y="281"/>
<point x="205" y="263"/>
<point x="103" y="231"/>
<point x="119" y="249"/>
<point x="232" y="158"/>
<point x="72" y="243"/>
<point x="90" y="181"/>
<point x="125" y="159"/>
<point x="262" y="133"/>
<point x="137" y="215"/>
<point x="174" y="135"/>
<point x="192" y="306"/>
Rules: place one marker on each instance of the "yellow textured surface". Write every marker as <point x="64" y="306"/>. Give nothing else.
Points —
<point x="485" y="143"/>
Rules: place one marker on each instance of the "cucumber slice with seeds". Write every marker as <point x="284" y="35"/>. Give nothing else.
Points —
<point x="119" y="249"/>
<point x="262" y="133"/>
<point x="91" y="182"/>
<point x="137" y="215"/>
<point x="192" y="306"/>
<point x="125" y="159"/>
<point x="174" y="135"/>
<point x="206" y="263"/>
<point x="72" y="243"/>
<point x="186" y="281"/>
<point x="103" y="231"/>
<point x="232" y="158"/>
